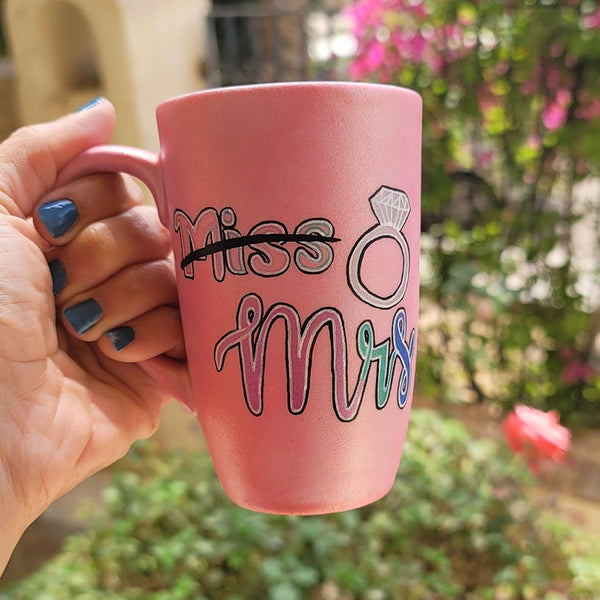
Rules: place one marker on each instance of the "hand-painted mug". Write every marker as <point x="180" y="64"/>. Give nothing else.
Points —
<point x="294" y="211"/>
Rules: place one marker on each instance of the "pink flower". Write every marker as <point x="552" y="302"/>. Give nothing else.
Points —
<point x="570" y="61"/>
<point x="592" y="21"/>
<point x="374" y="56"/>
<point x="554" y="116"/>
<point x="418" y="8"/>
<point x="367" y="15"/>
<point x="575" y="370"/>
<point x="412" y="47"/>
<point x="533" y="141"/>
<point x="537" y="435"/>
<point x="368" y="61"/>
<point x="568" y="353"/>
<point x="528" y="88"/>
<point x="554" y="78"/>
<point x="589" y="111"/>
<point x="435" y="62"/>
<point x="484" y="158"/>
<point x="564" y="97"/>
<point x="383" y="52"/>
<point x="486" y="98"/>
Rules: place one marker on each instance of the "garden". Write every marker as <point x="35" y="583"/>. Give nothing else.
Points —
<point x="457" y="525"/>
<point x="511" y="97"/>
<point x="510" y="326"/>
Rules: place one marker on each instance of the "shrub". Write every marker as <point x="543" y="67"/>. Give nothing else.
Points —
<point x="511" y="122"/>
<point x="457" y="525"/>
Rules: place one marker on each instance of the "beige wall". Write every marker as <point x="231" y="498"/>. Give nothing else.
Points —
<point x="9" y="114"/>
<point x="135" y="52"/>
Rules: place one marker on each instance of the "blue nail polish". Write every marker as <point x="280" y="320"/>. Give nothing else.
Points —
<point x="90" y="104"/>
<point x="59" y="275"/>
<point x="83" y="316"/>
<point x="121" y="336"/>
<point x="58" y="216"/>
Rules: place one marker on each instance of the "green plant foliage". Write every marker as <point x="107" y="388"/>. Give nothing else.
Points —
<point x="511" y="124"/>
<point x="457" y="525"/>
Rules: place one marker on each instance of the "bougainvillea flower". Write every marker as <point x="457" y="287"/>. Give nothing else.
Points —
<point x="575" y="370"/>
<point x="592" y="21"/>
<point x="589" y="111"/>
<point x="537" y="435"/>
<point x="554" y="116"/>
<point x="372" y="59"/>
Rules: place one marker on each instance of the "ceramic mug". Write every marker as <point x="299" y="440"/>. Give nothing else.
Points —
<point x="294" y="211"/>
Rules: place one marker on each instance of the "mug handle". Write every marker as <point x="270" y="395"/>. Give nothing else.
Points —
<point x="145" y="166"/>
<point x="142" y="164"/>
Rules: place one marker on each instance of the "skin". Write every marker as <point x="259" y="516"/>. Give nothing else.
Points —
<point x="72" y="404"/>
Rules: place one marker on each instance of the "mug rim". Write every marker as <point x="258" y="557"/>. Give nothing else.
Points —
<point x="269" y="87"/>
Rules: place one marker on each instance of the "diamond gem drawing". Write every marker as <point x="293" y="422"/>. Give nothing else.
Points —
<point x="391" y="207"/>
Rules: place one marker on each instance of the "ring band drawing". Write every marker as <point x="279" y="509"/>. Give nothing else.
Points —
<point x="391" y="207"/>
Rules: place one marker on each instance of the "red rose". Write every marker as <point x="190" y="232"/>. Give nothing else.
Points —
<point x="536" y="434"/>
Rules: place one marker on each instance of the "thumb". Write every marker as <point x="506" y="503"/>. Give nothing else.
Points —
<point x="31" y="157"/>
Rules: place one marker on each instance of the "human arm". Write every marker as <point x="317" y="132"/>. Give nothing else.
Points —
<point x="72" y="398"/>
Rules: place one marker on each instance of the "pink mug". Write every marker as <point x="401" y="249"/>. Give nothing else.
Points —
<point x="294" y="211"/>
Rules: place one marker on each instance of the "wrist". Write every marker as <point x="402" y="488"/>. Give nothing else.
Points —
<point x="13" y="521"/>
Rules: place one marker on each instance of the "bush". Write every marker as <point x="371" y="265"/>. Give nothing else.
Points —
<point x="511" y="126"/>
<point x="457" y="525"/>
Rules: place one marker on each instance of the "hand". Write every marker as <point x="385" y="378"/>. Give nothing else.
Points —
<point x="87" y="290"/>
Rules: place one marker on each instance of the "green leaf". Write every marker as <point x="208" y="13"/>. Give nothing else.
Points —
<point x="285" y="591"/>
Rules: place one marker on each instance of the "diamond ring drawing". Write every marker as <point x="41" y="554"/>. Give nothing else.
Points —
<point x="391" y="207"/>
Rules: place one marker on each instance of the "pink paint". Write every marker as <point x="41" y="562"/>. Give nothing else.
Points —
<point x="251" y="337"/>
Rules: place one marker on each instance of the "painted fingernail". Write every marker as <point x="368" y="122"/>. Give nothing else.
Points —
<point x="121" y="336"/>
<point x="84" y="316"/>
<point x="59" y="275"/>
<point x="58" y="216"/>
<point x="90" y="104"/>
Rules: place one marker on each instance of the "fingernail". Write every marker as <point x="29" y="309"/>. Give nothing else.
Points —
<point x="83" y="316"/>
<point x="58" y="216"/>
<point x="59" y="275"/>
<point x="121" y="336"/>
<point x="90" y="104"/>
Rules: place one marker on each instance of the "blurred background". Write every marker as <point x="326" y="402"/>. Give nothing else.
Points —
<point x="510" y="312"/>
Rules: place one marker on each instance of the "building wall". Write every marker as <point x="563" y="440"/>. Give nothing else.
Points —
<point x="9" y="114"/>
